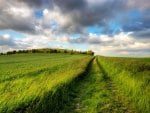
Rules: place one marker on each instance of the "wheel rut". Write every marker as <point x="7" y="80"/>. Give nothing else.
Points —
<point x="95" y="93"/>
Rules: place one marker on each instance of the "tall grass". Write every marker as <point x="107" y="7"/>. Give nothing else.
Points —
<point x="41" y="92"/>
<point x="132" y="78"/>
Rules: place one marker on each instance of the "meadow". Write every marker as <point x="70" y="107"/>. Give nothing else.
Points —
<point x="131" y="76"/>
<point x="30" y="82"/>
<point x="73" y="83"/>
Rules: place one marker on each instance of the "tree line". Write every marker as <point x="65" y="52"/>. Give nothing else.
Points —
<point x="48" y="50"/>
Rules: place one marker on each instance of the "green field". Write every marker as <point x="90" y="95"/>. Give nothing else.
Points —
<point x="65" y="83"/>
<point x="131" y="77"/>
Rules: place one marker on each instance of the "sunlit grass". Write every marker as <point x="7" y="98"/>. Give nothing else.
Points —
<point x="132" y="79"/>
<point x="28" y="90"/>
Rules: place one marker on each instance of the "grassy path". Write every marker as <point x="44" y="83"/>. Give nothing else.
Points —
<point x="95" y="93"/>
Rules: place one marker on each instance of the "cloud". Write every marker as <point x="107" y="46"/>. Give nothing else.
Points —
<point x="122" y="45"/>
<point x="7" y="40"/>
<point x="140" y="4"/>
<point x="91" y="39"/>
<point x="144" y="34"/>
<point x="7" y="43"/>
<point x="72" y="16"/>
<point x="16" y="16"/>
<point x="84" y="14"/>
<point x="33" y="3"/>
<point x="124" y="24"/>
<point x="70" y="5"/>
<point x="38" y="3"/>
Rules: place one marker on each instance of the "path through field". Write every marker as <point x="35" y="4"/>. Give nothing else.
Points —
<point x="95" y="93"/>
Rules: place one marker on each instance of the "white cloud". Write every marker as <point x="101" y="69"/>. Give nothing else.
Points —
<point x="21" y="12"/>
<point x="6" y="36"/>
<point x="57" y="16"/>
<point x="122" y="45"/>
<point x="60" y="18"/>
<point x="45" y="12"/>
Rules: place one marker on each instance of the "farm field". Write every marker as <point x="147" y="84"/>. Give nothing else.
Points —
<point x="113" y="85"/>
<point x="95" y="93"/>
<point x="131" y="77"/>
<point x="29" y="82"/>
<point x="64" y="83"/>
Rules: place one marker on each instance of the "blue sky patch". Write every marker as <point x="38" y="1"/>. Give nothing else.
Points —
<point x="95" y="30"/>
<point x="12" y="33"/>
<point x="38" y="13"/>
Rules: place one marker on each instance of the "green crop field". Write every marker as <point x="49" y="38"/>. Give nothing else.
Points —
<point x="27" y="80"/>
<point x="131" y="77"/>
<point x="73" y="83"/>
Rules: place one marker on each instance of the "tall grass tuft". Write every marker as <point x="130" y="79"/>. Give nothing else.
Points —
<point x="132" y="78"/>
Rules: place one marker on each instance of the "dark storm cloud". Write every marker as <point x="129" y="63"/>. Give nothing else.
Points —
<point x="70" y="5"/>
<point x="65" y="5"/>
<point x="146" y="19"/>
<point x="142" y="34"/>
<point x="84" y="14"/>
<point x="13" y="15"/>
<point x="33" y="3"/>
<point x="136" y="24"/>
<point x="38" y="3"/>
<point x="19" y="24"/>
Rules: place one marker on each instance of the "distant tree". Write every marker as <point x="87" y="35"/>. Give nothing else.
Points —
<point x="33" y="51"/>
<point x="54" y="51"/>
<point x="65" y="51"/>
<point x="71" y="52"/>
<point x="90" y="52"/>
<point x="14" y="52"/>
<point x="9" y="52"/>
<point x="1" y="53"/>
<point x="19" y="51"/>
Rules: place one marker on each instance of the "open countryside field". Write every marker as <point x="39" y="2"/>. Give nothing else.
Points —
<point x="131" y="77"/>
<point x="30" y="82"/>
<point x="65" y="83"/>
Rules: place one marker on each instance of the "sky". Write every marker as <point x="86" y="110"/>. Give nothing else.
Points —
<point x="107" y="27"/>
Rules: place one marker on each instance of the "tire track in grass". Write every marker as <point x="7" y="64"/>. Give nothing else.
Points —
<point x="94" y="93"/>
<point x="119" y="102"/>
